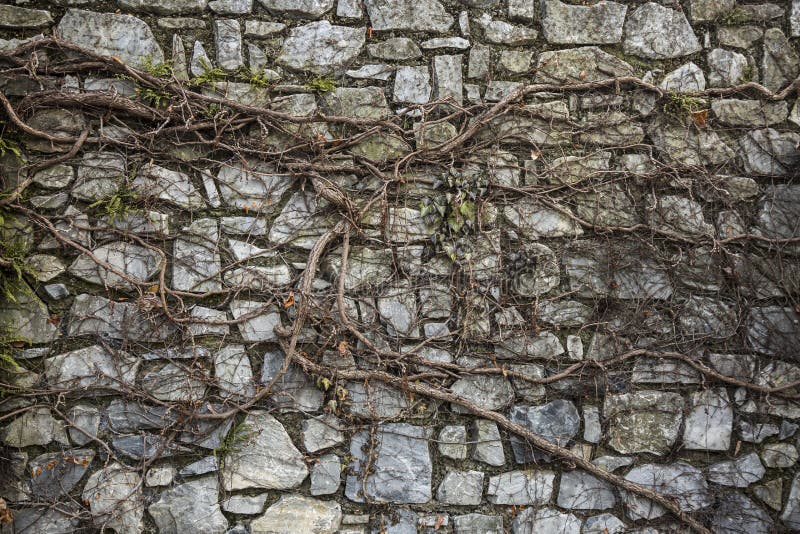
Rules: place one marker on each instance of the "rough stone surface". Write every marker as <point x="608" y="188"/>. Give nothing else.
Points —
<point x="124" y="36"/>
<point x="569" y="24"/>
<point x="646" y="421"/>
<point x="657" y="32"/>
<point x="266" y="457"/>
<point x="402" y="471"/>
<point x="190" y="507"/>
<point x="297" y="513"/>
<point x="321" y="47"/>
<point x="678" y="480"/>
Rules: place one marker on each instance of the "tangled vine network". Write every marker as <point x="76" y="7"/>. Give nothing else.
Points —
<point x="397" y="225"/>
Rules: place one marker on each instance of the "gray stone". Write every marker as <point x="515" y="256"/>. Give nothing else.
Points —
<point x="774" y="330"/>
<point x="134" y="261"/>
<point x="349" y="9"/>
<point x="687" y="78"/>
<point x="93" y="369"/>
<point x="228" y="39"/>
<point x="479" y="61"/>
<point x="411" y="15"/>
<point x="209" y="464"/>
<point x="536" y="221"/>
<point x="196" y="265"/>
<point x="458" y="43"/>
<point x="85" y="421"/>
<point x="778" y="212"/>
<point x="56" y="473"/>
<point x="123" y="36"/>
<point x="657" y="32"/>
<point x="780" y="63"/>
<point x="739" y="36"/>
<point x="545" y="521"/>
<point x="592" y="431"/>
<point x="679" y="480"/>
<point x="660" y="371"/>
<point x="707" y="318"/>
<point x="322" y="432"/>
<point x="521" y="487"/>
<point x="505" y="33"/>
<point x="264" y="458"/>
<point x="412" y="85"/>
<point x="527" y="390"/>
<point x="45" y="520"/>
<point x="400" y="467"/>
<point x="360" y="103"/>
<point x="321" y="47"/>
<point x="375" y="400"/>
<point x="612" y="463"/>
<point x="398" y="308"/>
<point x="129" y="416"/>
<point x="395" y="49"/>
<point x="365" y="267"/>
<point x="735" y="112"/>
<point x="579" y="490"/>
<point x="737" y="513"/>
<point x="259" y="320"/>
<point x="709" y="10"/>
<point x="245" y="504"/>
<point x="34" y="427"/>
<point x="680" y="215"/>
<point x="779" y="455"/>
<point x="170" y="382"/>
<point x="594" y="24"/>
<point x="114" y="494"/>
<point x="769" y="152"/>
<point x="25" y="314"/>
<point x="299" y="224"/>
<point x="231" y="7"/>
<point x="448" y="79"/>
<point x="19" y="17"/>
<point x="645" y="421"/>
<point x="726" y="68"/>
<point x="515" y="61"/>
<point x="557" y="422"/>
<point x="380" y="72"/>
<point x="488" y="392"/>
<point x="453" y="442"/>
<point x="478" y="524"/>
<point x="297" y="513"/>
<point x="739" y="473"/>
<point x="791" y="512"/>
<point x="166" y="7"/>
<point x="563" y="313"/>
<point x="794" y="19"/>
<point x="55" y="177"/>
<point x="298" y="8"/>
<point x="293" y="390"/>
<point x="325" y="475"/>
<point x="262" y="28"/>
<point x="709" y="424"/>
<point x="603" y="524"/>
<point x="545" y="345"/>
<point x="146" y="447"/>
<point x="463" y="488"/>
<point x="200" y="62"/>
<point x="190" y="507"/>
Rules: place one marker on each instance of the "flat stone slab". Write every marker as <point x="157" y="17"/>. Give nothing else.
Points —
<point x="123" y="36"/>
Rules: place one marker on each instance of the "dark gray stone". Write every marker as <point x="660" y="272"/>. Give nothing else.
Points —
<point x="557" y="422"/>
<point x="190" y="507"/>
<point x="400" y="473"/>
<point x="679" y="480"/>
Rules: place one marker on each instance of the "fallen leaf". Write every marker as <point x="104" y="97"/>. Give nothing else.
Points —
<point x="289" y="302"/>
<point x="699" y="117"/>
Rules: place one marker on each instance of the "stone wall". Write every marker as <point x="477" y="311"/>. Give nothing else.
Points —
<point x="398" y="266"/>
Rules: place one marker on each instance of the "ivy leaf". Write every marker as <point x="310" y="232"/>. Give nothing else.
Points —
<point x="468" y="210"/>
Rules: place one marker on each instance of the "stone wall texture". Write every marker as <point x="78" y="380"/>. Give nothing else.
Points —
<point x="399" y="266"/>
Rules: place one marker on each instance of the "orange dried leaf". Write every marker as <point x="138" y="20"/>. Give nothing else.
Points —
<point x="700" y="117"/>
<point x="583" y="73"/>
<point x="289" y="302"/>
<point x="439" y="521"/>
